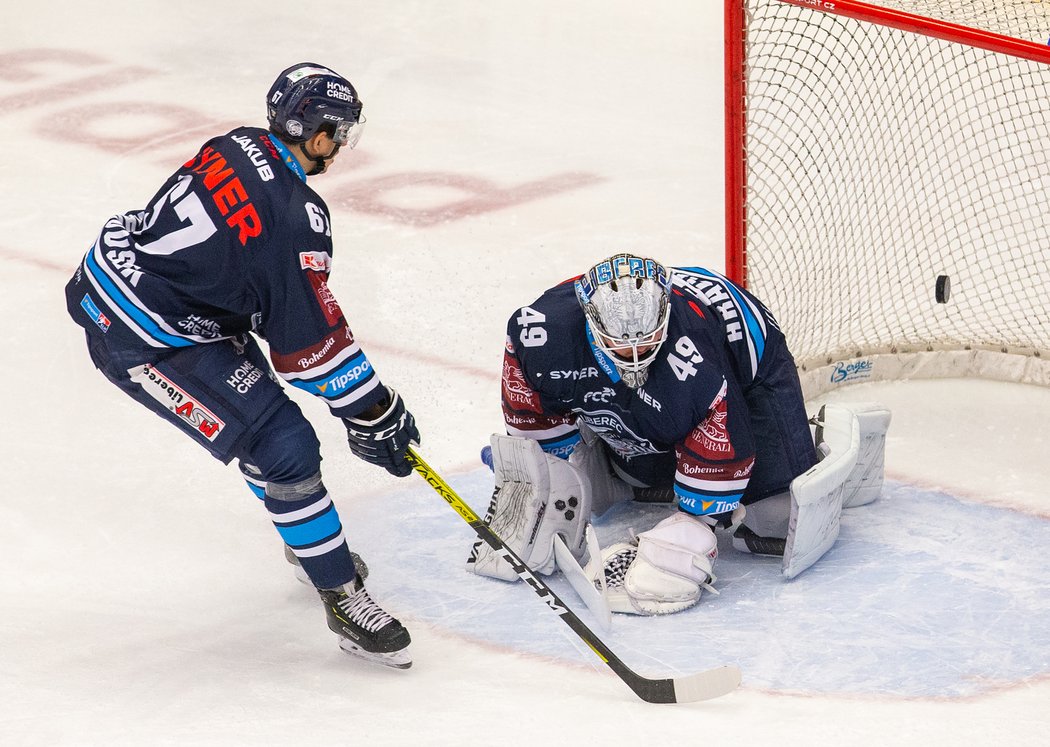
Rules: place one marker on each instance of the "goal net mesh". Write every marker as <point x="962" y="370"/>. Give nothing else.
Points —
<point x="877" y="160"/>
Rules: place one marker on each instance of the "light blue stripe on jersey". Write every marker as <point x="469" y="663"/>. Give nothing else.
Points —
<point x="321" y="527"/>
<point x="117" y="299"/>
<point x="289" y="160"/>
<point x="754" y="326"/>
<point x="563" y="447"/>
<point x="336" y="384"/>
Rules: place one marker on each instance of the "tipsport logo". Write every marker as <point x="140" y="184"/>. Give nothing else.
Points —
<point x="101" y="320"/>
<point x="346" y="379"/>
<point x="176" y="400"/>
<point x="699" y="507"/>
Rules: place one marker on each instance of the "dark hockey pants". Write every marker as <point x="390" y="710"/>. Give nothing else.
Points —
<point x="224" y="396"/>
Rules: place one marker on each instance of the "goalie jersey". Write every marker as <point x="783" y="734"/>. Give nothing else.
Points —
<point x="234" y="242"/>
<point x="689" y="423"/>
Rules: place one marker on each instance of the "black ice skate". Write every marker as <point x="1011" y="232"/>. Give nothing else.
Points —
<point x="364" y="628"/>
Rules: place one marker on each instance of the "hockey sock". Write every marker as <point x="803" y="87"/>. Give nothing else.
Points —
<point x="310" y="526"/>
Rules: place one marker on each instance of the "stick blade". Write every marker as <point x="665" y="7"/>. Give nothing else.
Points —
<point x="714" y="683"/>
<point x="582" y="585"/>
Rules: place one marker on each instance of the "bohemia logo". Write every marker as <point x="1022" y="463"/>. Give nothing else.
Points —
<point x="186" y="408"/>
<point x="515" y="389"/>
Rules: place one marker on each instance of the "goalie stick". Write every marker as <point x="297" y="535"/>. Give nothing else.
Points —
<point x="704" y="685"/>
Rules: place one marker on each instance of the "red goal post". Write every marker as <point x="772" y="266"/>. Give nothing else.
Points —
<point x="879" y="154"/>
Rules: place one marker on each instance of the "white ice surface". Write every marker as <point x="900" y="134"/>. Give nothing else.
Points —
<point x="144" y="598"/>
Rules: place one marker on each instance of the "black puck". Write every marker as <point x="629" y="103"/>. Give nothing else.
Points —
<point x="944" y="289"/>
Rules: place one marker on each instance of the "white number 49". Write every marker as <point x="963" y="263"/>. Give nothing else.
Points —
<point x="531" y="336"/>
<point x="684" y="366"/>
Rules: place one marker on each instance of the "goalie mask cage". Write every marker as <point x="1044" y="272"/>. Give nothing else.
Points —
<point x="870" y="150"/>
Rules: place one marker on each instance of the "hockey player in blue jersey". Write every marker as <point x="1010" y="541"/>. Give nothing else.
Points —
<point x="634" y="381"/>
<point x="235" y="245"/>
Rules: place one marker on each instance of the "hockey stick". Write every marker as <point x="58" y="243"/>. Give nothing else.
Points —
<point x="701" y="686"/>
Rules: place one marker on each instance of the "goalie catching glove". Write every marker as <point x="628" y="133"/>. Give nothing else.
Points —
<point x="663" y="571"/>
<point x="384" y="441"/>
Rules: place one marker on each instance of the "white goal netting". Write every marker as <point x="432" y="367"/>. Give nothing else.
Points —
<point x="877" y="160"/>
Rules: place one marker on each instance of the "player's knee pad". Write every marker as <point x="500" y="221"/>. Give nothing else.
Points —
<point x="537" y="496"/>
<point x="665" y="572"/>
<point x="284" y="449"/>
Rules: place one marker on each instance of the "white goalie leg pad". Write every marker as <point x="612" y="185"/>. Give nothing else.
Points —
<point x="537" y="496"/>
<point x="817" y="494"/>
<point x="864" y="483"/>
<point x="666" y="572"/>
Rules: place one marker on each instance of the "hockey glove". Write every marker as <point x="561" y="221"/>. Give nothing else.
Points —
<point x="385" y="440"/>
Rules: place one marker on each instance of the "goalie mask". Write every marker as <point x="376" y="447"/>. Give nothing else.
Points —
<point x="626" y="301"/>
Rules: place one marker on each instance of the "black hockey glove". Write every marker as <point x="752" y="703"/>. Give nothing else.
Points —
<point x="385" y="440"/>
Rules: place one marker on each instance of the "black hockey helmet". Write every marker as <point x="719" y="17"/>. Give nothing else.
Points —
<point x="307" y="98"/>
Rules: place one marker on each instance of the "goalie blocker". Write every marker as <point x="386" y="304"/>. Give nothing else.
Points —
<point x="538" y="497"/>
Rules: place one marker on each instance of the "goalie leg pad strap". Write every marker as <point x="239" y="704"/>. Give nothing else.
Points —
<point x="537" y="496"/>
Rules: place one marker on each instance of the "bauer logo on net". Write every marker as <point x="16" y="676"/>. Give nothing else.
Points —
<point x="849" y="372"/>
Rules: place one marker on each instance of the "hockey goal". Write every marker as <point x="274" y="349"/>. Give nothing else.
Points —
<point x="888" y="183"/>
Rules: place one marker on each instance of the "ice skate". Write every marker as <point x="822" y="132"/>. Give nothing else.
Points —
<point x="364" y="628"/>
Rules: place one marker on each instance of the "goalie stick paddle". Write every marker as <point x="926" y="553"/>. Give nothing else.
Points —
<point x="704" y="685"/>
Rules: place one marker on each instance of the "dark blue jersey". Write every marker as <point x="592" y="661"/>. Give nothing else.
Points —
<point x="234" y="242"/>
<point x="691" y="406"/>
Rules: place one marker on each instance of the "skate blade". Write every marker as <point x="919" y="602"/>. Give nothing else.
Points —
<point x="394" y="659"/>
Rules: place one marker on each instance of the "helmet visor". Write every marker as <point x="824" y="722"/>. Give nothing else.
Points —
<point x="348" y="132"/>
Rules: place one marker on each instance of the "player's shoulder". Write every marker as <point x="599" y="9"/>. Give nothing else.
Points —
<point x="692" y="361"/>
<point x="558" y="302"/>
<point x="556" y="312"/>
<point x="242" y="165"/>
<point x="548" y="333"/>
